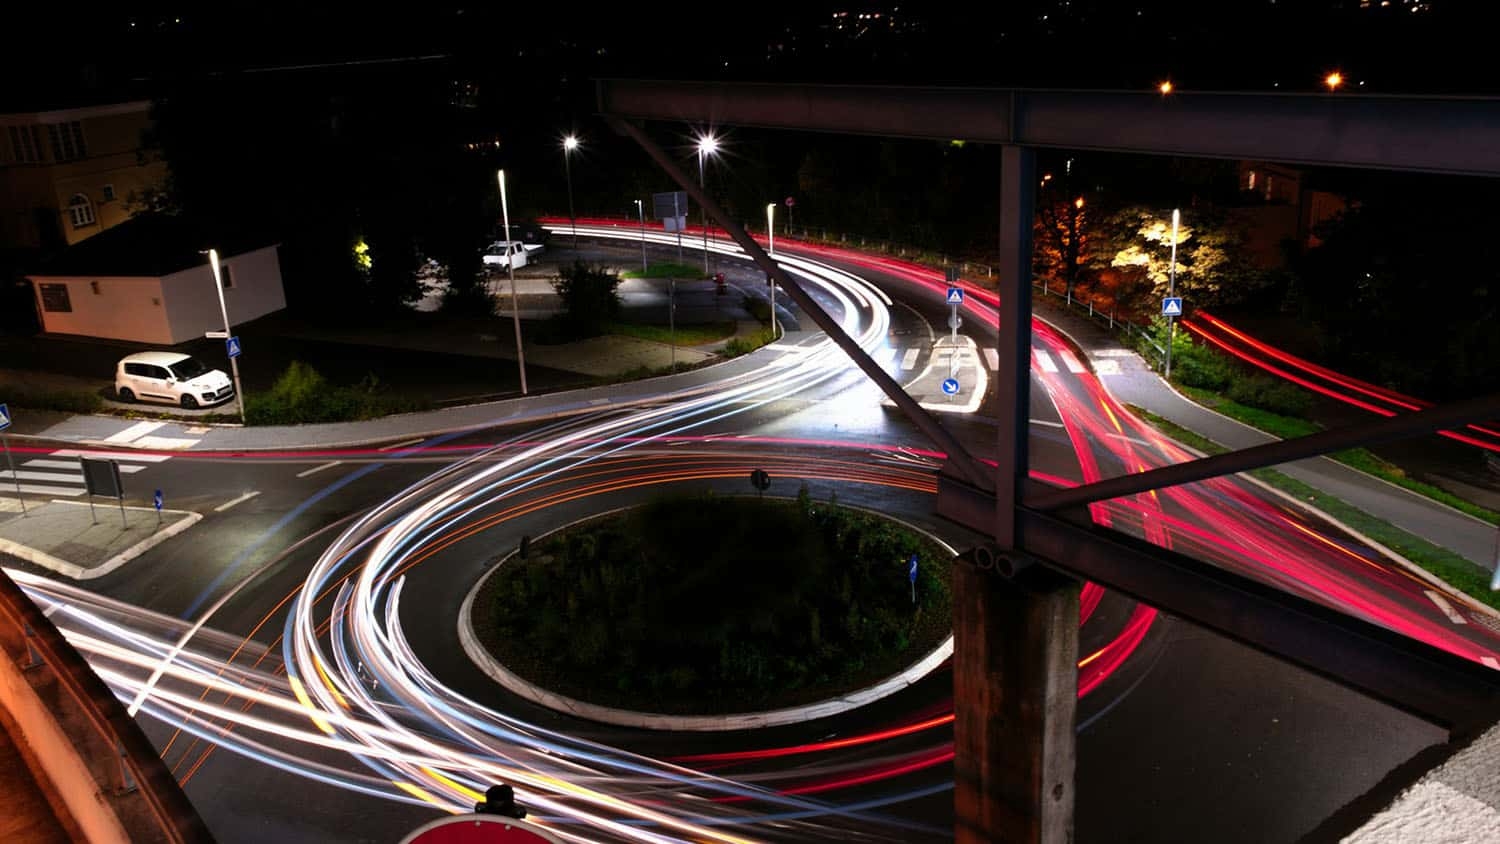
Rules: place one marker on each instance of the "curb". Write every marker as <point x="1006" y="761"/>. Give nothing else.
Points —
<point x="514" y="684"/>
<point x="77" y="572"/>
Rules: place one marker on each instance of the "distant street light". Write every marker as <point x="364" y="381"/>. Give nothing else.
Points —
<point x="510" y="267"/>
<point x="771" y="228"/>
<point x="1334" y="80"/>
<point x="641" y="210"/>
<point x="570" y="143"/>
<point x="234" y="361"/>
<point x="707" y="145"/>
<point x="1165" y="87"/>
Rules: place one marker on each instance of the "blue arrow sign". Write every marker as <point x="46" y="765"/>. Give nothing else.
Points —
<point x="232" y="345"/>
<point x="4" y="417"/>
<point x="955" y="295"/>
<point x="911" y="571"/>
<point x="1171" y="306"/>
<point x="950" y="386"/>
<point x="156" y="500"/>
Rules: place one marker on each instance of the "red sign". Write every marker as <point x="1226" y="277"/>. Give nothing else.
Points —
<point x="480" y="829"/>
<point x="790" y="202"/>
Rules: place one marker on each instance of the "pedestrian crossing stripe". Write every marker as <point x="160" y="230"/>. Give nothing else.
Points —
<point x="64" y="478"/>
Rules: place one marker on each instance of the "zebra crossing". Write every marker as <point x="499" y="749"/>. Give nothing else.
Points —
<point x="906" y="359"/>
<point x="60" y="474"/>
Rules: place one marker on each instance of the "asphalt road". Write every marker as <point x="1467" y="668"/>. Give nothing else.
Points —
<point x="1192" y="737"/>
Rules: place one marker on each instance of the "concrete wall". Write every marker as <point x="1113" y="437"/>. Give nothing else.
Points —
<point x="124" y="308"/>
<point x="193" y="308"/>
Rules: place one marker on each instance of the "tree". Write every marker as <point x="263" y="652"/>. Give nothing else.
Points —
<point x="1212" y="268"/>
<point x="1061" y="241"/>
<point x="588" y="293"/>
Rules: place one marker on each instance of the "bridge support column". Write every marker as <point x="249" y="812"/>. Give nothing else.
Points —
<point x="1015" y="692"/>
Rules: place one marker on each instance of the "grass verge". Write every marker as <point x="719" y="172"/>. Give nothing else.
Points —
<point x="1360" y="459"/>
<point x="665" y="269"/>
<point x="686" y="335"/>
<point x="1451" y="568"/>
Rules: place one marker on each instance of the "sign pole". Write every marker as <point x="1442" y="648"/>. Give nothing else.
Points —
<point x="1172" y="292"/>
<point x="234" y="360"/>
<point x="13" y="476"/>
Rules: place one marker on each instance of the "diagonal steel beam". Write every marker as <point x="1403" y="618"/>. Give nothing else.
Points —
<point x="972" y="470"/>
<point x="1457" y="694"/>
<point x="1284" y="451"/>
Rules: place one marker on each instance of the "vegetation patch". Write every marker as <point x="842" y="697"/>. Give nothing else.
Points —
<point x="665" y="269"/>
<point x="695" y="334"/>
<point x="301" y="395"/>
<point x="1451" y="568"/>
<point x="67" y="401"/>
<point x="705" y="604"/>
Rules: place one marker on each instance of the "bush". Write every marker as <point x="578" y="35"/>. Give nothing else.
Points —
<point x="1201" y="367"/>
<point x="68" y="401"/>
<point x="1268" y="393"/>
<point x="588" y="294"/>
<point x="744" y="345"/>
<point x="301" y="395"/>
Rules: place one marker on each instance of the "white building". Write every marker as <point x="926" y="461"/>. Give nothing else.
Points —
<point x="148" y="281"/>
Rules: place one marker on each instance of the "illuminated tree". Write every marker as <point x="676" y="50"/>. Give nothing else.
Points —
<point x="1212" y="268"/>
<point x="1061" y="242"/>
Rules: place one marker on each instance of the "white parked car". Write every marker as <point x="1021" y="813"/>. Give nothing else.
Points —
<point x="170" y="377"/>
<point x="502" y="253"/>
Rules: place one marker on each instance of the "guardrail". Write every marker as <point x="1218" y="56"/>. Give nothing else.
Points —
<point x="1110" y="318"/>
<point x="84" y="748"/>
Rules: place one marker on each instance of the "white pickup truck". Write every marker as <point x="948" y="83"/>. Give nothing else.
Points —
<point x="508" y="253"/>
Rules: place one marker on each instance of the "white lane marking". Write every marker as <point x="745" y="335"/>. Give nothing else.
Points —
<point x="319" y="468"/>
<point x="597" y="402"/>
<point x="165" y="443"/>
<point x="134" y="432"/>
<point x="1044" y="360"/>
<point x="993" y="357"/>
<point x="1490" y="661"/>
<point x="400" y="445"/>
<point x="48" y="490"/>
<point x="112" y="455"/>
<point x="128" y="469"/>
<point x="1447" y="608"/>
<point x="1048" y="423"/>
<point x="1071" y="362"/>
<point x="54" y="477"/>
<point x="233" y="501"/>
<point x="67" y="465"/>
<point x="1112" y="353"/>
<point x="1107" y="367"/>
<point x="885" y="356"/>
<point x="909" y="360"/>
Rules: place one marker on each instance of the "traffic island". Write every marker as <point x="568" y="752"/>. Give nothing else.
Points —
<point x="712" y="613"/>
<point x="66" y="538"/>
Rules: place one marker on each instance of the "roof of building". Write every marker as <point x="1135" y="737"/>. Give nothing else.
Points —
<point x="149" y="246"/>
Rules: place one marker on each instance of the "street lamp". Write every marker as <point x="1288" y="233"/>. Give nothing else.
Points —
<point x="234" y="361"/>
<point x="707" y="145"/>
<point x="1333" y="80"/>
<point x="1165" y="87"/>
<point x="1172" y="291"/>
<point x="641" y="210"/>
<point x="510" y="268"/>
<point x="771" y="228"/>
<point x="570" y="143"/>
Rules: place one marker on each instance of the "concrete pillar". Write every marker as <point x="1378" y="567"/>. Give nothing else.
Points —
<point x="1015" y="693"/>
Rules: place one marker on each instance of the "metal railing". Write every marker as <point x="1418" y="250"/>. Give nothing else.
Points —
<point x="1085" y="305"/>
<point x="132" y="783"/>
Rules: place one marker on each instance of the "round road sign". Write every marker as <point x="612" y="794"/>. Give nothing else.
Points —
<point x="950" y="386"/>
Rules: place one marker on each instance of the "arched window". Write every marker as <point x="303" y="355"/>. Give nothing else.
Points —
<point x="81" y="211"/>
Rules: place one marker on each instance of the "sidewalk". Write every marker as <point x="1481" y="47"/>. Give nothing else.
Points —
<point x="66" y="538"/>
<point x="1131" y="380"/>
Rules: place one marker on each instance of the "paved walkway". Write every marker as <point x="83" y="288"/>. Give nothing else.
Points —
<point x="1131" y="380"/>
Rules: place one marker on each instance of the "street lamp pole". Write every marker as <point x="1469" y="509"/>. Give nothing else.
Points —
<point x="510" y="267"/>
<point x="570" y="143"/>
<point x="640" y="209"/>
<point x="770" y="228"/>
<point x="706" y="147"/>
<point x="1172" y="291"/>
<point x="234" y="362"/>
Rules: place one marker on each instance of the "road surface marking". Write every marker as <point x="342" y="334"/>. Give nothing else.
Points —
<point x="1048" y="423"/>
<point x="597" y="402"/>
<point x="909" y="360"/>
<point x="1107" y="367"/>
<point x="993" y="357"/>
<point x="1071" y="362"/>
<point x="319" y="468"/>
<point x="69" y="465"/>
<point x="1447" y="608"/>
<point x="48" y="490"/>
<point x="112" y="455"/>
<point x="134" y="432"/>
<point x="165" y="443"/>
<point x="885" y="356"/>
<point x="1044" y="360"/>
<point x="233" y="501"/>
<point x="56" y="477"/>
<point x="1490" y="661"/>
<point x="401" y="445"/>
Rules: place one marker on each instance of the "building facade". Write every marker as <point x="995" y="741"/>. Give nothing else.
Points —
<point x="67" y="175"/>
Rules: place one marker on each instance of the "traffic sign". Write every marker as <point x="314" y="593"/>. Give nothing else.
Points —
<point x="911" y="571"/>
<point x="950" y="386"/>
<point x="4" y="417"/>
<point x="156" y="500"/>
<point x="1171" y="306"/>
<point x="955" y="295"/>
<point x="669" y="205"/>
<point x="232" y="345"/>
<point x="791" y="202"/>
